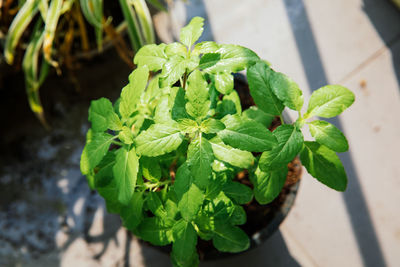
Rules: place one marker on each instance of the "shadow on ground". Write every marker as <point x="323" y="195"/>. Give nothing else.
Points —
<point x="355" y="202"/>
<point x="385" y="17"/>
<point x="273" y="252"/>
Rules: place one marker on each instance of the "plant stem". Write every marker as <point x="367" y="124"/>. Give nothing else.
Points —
<point x="122" y="48"/>
<point x="155" y="186"/>
<point x="82" y="28"/>
<point x="184" y="80"/>
<point x="281" y="118"/>
<point x="117" y="143"/>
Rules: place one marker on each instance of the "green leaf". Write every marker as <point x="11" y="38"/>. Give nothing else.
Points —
<point x="254" y="113"/>
<point x="179" y="110"/>
<point x="159" y="139"/>
<point x="225" y="107"/>
<point x="197" y="96"/>
<point x="131" y="93"/>
<point x="105" y="183"/>
<point x="192" y="63"/>
<point x="191" y="202"/>
<point x="146" y="23"/>
<point x="209" y="60"/>
<point x="154" y="203"/>
<point x="192" y="32"/>
<point x="228" y="58"/>
<point x="233" y="156"/>
<point x="223" y="207"/>
<point x="323" y="164"/>
<point x="228" y="238"/>
<point x="211" y="126"/>
<point x="154" y="231"/>
<point x="51" y="22"/>
<point x="104" y="177"/>
<point x="34" y="74"/>
<point x="215" y="186"/>
<point x="133" y="26"/>
<point x="200" y="157"/>
<point x="329" y="101"/>
<point x="183" y="180"/>
<point x="102" y="116"/>
<point x="132" y="214"/>
<point x="328" y="135"/>
<point x="287" y="91"/>
<point x="246" y="134"/>
<point x="268" y="185"/>
<point x="224" y="82"/>
<point x="125" y="135"/>
<point x="240" y="193"/>
<point x="136" y="123"/>
<point x="157" y="4"/>
<point x="125" y="173"/>
<point x="18" y="26"/>
<point x="188" y="125"/>
<point x="172" y="71"/>
<point x="234" y="97"/>
<point x="151" y="169"/>
<point x="214" y="97"/>
<point x="162" y="205"/>
<point x="192" y="260"/>
<point x="175" y="49"/>
<point x="162" y="114"/>
<point x="93" y="12"/>
<point x="184" y="245"/>
<point x="190" y="197"/>
<point x="152" y="92"/>
<point x="238" y="216"/>
<point x="95" y="149"/>
<point x="152" y="56"/>
<point x="171" y="206"/>
<point x="259" y="76"/>
<point x="205" y="48"/>
<point x="290" y="142"/>
<point x="205" y="222"/>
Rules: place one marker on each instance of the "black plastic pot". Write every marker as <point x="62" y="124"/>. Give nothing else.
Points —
<point x="260" y="236"/>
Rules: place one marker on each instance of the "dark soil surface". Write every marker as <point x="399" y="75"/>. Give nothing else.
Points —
<point x="42" y="192"/>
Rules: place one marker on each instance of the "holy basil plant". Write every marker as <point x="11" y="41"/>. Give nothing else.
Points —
<point x="166" y="154"/>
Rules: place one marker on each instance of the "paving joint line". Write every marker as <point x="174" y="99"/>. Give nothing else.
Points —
<point x="370" y="59"/>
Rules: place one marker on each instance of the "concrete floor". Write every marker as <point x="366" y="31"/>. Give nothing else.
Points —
<point x="355" y="43"/>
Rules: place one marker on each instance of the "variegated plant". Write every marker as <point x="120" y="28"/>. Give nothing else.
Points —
<point x="41" y="18"/>
<point x="166" y="154"/>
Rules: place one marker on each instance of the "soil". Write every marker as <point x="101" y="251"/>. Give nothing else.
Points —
<point x="45" y="203"/>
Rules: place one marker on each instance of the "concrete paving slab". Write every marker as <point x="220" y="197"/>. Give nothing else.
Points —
<point x="373" y="129"/>
<point x="354" y="43"/>
<point x="349" y="32"/>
